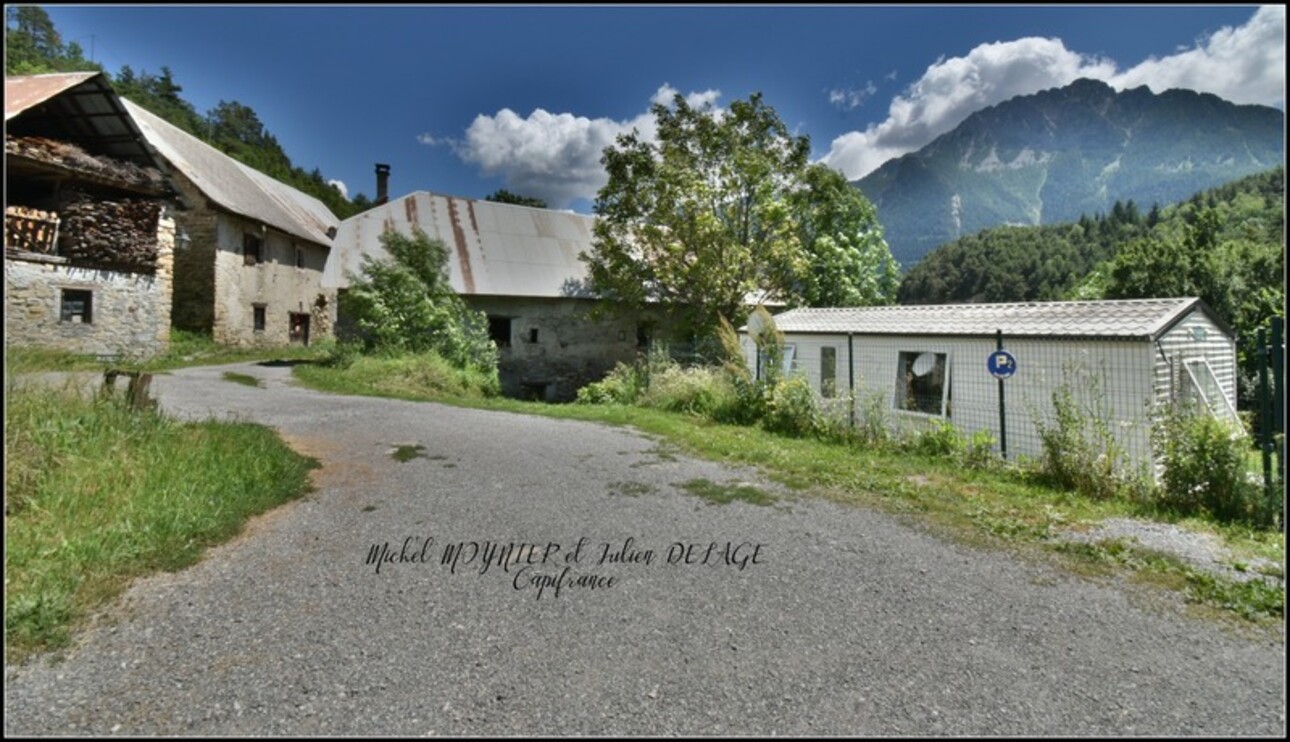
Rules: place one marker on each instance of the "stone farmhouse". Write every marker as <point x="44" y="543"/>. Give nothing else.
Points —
<point x="89" y="233"/>
<point x="248" y="266"/>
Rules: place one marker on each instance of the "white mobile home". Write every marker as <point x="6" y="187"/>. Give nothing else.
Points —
<point x="1121" y="360"/>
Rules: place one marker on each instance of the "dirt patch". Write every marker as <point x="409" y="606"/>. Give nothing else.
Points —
<point x="332" y="472"/>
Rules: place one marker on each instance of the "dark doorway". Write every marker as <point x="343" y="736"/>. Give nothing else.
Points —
<point x="299" y="328"/>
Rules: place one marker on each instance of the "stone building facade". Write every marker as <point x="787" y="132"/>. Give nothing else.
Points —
<point x="89" y="230"/>
<point x="549" y="348"/>
<point x="53" y="303"/>
<point x="247" y="284"/>
<point x="251" y="250"/>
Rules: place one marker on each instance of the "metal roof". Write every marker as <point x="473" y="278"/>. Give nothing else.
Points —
<point x="233" y="186"/>
<point x="494" y="249"/>
<point x="23" y="92"/>
<point x="1129" y="318"/>
<point x="76" y="107"/>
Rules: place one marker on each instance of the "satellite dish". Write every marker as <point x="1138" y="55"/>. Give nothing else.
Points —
<point x="924" y="364"/>
<point x="755" y="324"/>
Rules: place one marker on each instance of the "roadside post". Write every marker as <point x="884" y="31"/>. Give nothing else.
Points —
<point x="1002" y="365"/>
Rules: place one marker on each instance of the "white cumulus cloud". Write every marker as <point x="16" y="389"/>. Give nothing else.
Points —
<point x="848" y="98"/>
<point x="1246" y="64"/>
<point x="555" y="156"/>
<point x="340" y="186"/>
<point x="1243" y="65"/>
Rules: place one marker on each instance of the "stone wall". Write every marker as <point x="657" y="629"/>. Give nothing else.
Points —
<point x="275" y="283"/>
<point x="129" y="313"/>
<point x="194" y="297"/>
<point x="557" y="346"/>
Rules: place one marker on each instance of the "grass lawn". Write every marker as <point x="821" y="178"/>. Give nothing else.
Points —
<point x="98" y="494"/>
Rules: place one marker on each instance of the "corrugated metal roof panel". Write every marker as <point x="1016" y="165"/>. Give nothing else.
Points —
<point x="1130" y="318"/>
<point x="493" y="249"/>
<point x="234" y="186"/>
<point x="81" y="108"/>
<point x="26" y="91"/>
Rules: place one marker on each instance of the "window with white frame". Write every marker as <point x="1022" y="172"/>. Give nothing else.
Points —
<point x="922" y="383"/>
<point x="786" y="367"/>
<point x="1201" y="386"/>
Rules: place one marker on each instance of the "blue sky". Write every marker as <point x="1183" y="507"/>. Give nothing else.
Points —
<point x="465" y="100"/>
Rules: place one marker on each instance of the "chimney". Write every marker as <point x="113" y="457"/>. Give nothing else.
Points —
<point x="382" y="183"/>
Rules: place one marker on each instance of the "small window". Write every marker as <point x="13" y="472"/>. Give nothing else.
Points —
<point x="922" y="383"/>
<point x="300" y="257"/>
<point x="252" y="248"/>
<point x="828" y="372"/>
<point x="258" y="313"/>
<point x="77" y="306"/>
<point x="499" y="329"/>
<point x="533" y="334"/>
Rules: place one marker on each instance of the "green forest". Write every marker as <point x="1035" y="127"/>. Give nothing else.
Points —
<point x="34" y="46"/>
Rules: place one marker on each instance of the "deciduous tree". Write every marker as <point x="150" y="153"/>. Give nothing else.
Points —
<point x="721" y="207"/>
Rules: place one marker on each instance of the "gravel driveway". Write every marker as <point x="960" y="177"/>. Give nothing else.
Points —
<point x="807" y="618"/>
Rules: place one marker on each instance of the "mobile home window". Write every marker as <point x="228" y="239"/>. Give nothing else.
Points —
<point x="786" y="368"/>
<point x="922" y="383"/>
<point x="1201" y="385"/>
<point x="77" y="306"/>
<point x="828" y="372"/>
<point x="252" y="248"/>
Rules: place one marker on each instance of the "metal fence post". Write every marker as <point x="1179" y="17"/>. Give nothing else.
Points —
<point x="1003" y="416"/>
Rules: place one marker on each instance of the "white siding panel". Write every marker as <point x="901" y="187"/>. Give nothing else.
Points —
<point x="1110" y="378"/>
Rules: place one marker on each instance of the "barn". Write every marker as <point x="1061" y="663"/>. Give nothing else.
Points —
<point x="519" y="266"/>
<point x="1122" y="361"/>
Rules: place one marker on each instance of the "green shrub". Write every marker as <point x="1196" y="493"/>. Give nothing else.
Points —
<point x="698" y="390"/>
<point x="406" y="304"/>
<point x="942" y="439"/>
<point x="873" y="423"/>
<point x="979" y="451"/>
<point x="1079" y="452"/>
<point x="1206" y="469"/>
<point x="792" y="408"/>
<point x="343" y="354"/>
<point x="623" y="385"/>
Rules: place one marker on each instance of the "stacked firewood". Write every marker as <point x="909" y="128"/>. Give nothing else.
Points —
<point x="121" y="234"/>
<point x="30" y="230"/>
<point x="72" y="157"/>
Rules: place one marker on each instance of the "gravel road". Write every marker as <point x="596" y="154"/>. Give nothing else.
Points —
<point x="808" y="618"/>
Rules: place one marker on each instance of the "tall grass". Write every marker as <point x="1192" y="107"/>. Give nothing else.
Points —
<point x="410" y="376"/>
<point x="98" y="493"/>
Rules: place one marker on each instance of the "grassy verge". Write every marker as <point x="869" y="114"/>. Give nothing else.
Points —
<point x="186" y="349"/>
<point x="98" y="494"/>
<point x="415" y="376"/>
<point x="994" y="507"/>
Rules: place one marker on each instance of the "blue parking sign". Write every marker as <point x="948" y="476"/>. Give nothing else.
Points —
<point x="1002" y="364"/>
